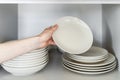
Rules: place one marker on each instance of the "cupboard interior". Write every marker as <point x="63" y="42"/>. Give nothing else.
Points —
<point x="8" y="22"/>
<point x="72" y="1"/>
<point x="33" y="18"/>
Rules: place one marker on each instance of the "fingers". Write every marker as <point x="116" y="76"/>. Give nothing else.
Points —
<point x="46" y="36"/>
<point x="51" y="42"/>
<point x="52" y="28"/>
<point x="49" y="28"/>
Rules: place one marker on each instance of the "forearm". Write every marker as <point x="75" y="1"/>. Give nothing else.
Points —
<point x="12" y="49"/>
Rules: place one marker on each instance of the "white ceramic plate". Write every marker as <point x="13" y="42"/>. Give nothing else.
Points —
<point x="34" y="52"/>
<point x="38" y="51"/>
<point x="94" y="53"/>
<point x="28" y="60"/>
<point x="23" y="65"/>
<point x="89" y="60"/>
<point x="26" y="63"/>
<point x="24" y="71"/>
<point x="41" y="49"/>
<point x="87" y="69"/>
<point x="91" y="67"/>
<point x="20" y="65"/>
<point x="23" y="57"/>
<point x="88" y="72"/>
<point x="73" y="35"/>
<point x="110" y="59"/>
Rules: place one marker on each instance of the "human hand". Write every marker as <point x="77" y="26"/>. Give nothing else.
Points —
<point x="46" y="36"/>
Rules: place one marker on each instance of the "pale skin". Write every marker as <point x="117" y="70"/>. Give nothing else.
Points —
<point x="12" y="49"/>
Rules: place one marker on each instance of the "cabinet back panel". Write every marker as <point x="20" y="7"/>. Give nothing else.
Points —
<point x="34" y="17"/>
<point x="8" y="22"/>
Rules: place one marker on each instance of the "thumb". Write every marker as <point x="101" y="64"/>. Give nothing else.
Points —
<point x="54" y="28"/>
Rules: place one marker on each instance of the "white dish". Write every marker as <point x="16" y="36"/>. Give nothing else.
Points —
<point x="40" y="49"/>
<point x="87" y="72"/>
<point x="91" y="67"/>
<point x="89" y="60"/>
<point x="22" y="65"/>
<point x="27" y="61"/>
<point x="73" y="35"/>
<point x="94" y="61"/>
<point x="110" y="59"/>
<point x="93" y="54"/>
<point x="30" y="56"/>
<point x="34" y="52"/>
<point x="24" y="71"/>
<point x="25" y="64"/>
<point x="87" y="69"/>
<point x="30" y="60"/>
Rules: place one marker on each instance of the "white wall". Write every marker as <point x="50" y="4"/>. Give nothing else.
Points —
<point x="8" y="22"/>
<point x="111" y="29"/>
<point x="33" y="18"/>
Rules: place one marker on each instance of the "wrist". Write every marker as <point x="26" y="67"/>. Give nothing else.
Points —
<point x="37" y="41"/>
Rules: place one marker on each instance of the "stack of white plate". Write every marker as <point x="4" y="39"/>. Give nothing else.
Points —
<point x="94" y="61"/>
<point x="28" y="63"/>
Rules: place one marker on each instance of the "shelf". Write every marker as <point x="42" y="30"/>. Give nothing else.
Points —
<point x="55" y="71"/>
<point x="63" y="1"/>
<point x="9" y="1"/>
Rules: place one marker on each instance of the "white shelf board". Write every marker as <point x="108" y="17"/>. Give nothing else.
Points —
<point x="62" y="1"/>
<point x="55" y="71"/>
